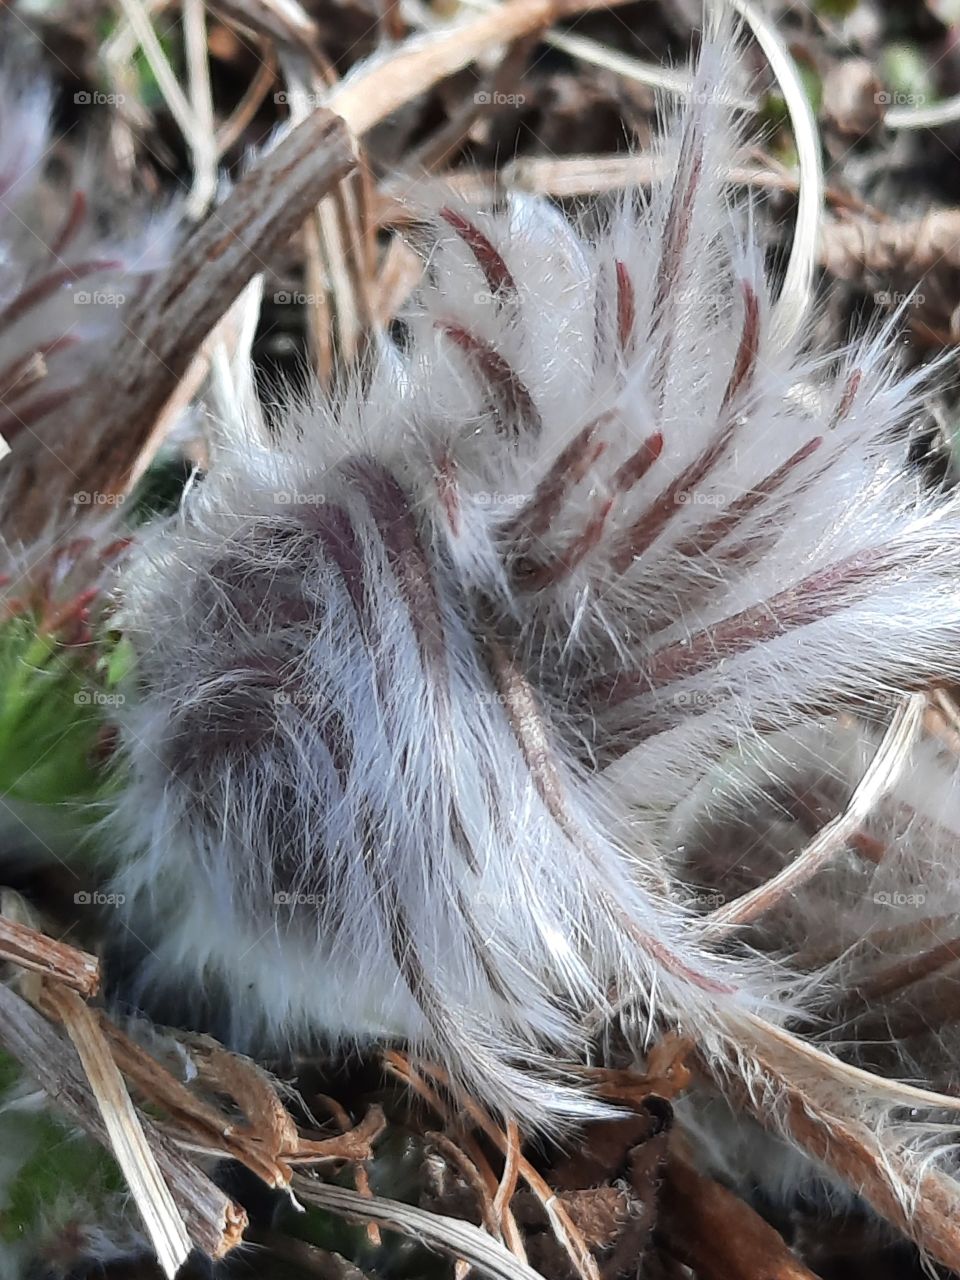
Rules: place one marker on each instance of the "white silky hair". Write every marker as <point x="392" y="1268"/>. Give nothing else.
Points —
<point x="70" y="261"/>
<point x="875" y="930"/>
<point x="425" y="679"/>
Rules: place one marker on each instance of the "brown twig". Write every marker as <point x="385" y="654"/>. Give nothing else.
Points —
<point x="442" y="145"/>
<point x="282" y="20"/>
<point x="233" y="128"/>
<point x="561" y="1224"/>
<point x="35" y="951"/>
<point x="716" y="1233"/>
<point x="214" y="1222"/>
<point x="108" y="425"/>
<point x="361" y="1178"/>
<point x="667" y="1075"/>
<point x="796" y="1075"/>
<point x="398" y="1065"/>
<point x="852" y="247"/>
<point x="471" y="1175"/>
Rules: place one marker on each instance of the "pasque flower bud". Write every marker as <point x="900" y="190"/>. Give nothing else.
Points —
<point x="421" y="682"/>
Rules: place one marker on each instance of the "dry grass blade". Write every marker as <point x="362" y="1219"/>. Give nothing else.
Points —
<point x="203" y="136"/>
<point x="139" y="19"/>
<point x="849" y="1080"/>
<point x="383" y="84"/>
<point x="35" y="951"/>
<point x="924" y="117"/>
<point x="282" y="20"/>
<point x="565" y="1230"/>
<point x="152" y="1196"/>
<point x="232" y="129"/>
<point x="793" y="304"/>
<point x="511" y="1172"/>
<point x="338" y="237"/>
<point x="214" y="1222"/>
<point x="508" y="1229"/>
<point x="655" y="76"/>
<point x="890" y="759"/>
<point x="102" y="435"/>
<point x="818" y="1101"/>
<point x="397" y="1065"/>
<point x="400" y="273"/>
<point x="455" y="1238"/>
<point x="471" y="1175"/>
<point x="567" y="177"/>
